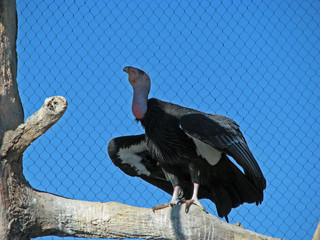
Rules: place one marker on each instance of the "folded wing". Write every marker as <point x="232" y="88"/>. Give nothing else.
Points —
<point x="223" y="134"/>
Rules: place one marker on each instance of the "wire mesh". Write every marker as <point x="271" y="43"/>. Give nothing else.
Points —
<point x="255" y="62"/>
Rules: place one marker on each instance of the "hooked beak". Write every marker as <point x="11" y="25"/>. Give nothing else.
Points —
<point x="126" y="69"/>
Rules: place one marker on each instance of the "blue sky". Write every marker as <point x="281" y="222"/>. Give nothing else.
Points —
<point x="257" y="63"/>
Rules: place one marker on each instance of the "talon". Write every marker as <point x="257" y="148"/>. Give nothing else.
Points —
<point x="195" y="202"/>
<point x="188" y="204"/>
<point x="173" y="201"/>
<point x="161" y="206"/>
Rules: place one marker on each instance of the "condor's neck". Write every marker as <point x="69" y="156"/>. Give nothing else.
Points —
<point x="140" y="102"/>
<point x="155" y="116"/>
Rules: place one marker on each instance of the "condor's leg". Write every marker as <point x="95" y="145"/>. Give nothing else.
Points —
<point x="195" y="177"/>
<point x="176" y="195"/>
<point x="194" y="200"/>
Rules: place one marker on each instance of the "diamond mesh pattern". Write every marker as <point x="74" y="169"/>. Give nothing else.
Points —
<point x="255" y="62"/>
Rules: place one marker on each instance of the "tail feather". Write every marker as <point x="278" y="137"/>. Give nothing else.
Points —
<point x="229" y="187"/>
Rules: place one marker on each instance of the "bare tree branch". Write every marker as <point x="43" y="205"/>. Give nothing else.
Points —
<point x="18" y="219"/>
<point x="114" y="220"/>
<point x="16" y="142"/>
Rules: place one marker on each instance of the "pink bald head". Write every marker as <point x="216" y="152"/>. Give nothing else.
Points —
<point x="140" y="82"/>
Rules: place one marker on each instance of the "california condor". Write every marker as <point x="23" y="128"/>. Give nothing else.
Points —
<point x="185" y="153"/>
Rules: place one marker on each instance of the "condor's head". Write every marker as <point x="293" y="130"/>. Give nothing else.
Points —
<point x="140" y="82"/>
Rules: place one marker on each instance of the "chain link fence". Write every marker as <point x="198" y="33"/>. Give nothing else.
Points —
<point x="255" y="62"/>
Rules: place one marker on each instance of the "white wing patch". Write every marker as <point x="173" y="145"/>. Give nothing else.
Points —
<point x="129" y="156"/>
<point x="204" y="150"/>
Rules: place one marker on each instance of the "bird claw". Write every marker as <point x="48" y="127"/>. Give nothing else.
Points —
<point x="174" y="203"/>
<point x="165" y="205"/>
<point x="195" y="202"/>
<point x="188" y="204"/>
<point x="161" y="206"/>
<point x="181" y="202"/>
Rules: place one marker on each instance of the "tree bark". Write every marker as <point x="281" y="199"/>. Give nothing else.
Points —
<point x="26" y="212"/>
<point x="11" y="112"/>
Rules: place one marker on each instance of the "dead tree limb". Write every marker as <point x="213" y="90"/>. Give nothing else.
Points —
<point x="26" y="212"/>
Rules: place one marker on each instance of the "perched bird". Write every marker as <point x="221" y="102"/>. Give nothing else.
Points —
<point x="185" y="153"/>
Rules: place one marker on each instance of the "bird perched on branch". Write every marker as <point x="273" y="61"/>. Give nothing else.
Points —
<point x="185" y="153"/>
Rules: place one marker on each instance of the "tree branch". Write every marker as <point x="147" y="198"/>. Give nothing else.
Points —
<point x="67" y="217"/>
<point x="16" y="142"/>
<point x="16" y="196"/>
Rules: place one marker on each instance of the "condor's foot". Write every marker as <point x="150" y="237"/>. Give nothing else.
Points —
<point x="194" y="201"/>
<point x="174" y="201"/>
<point x="162" y="206"/>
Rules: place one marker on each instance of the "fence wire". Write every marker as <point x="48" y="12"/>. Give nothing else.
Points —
<point x="255" y="62"/>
